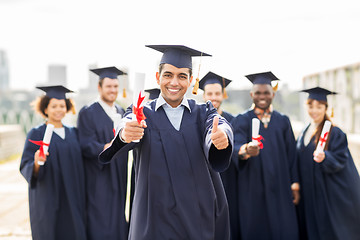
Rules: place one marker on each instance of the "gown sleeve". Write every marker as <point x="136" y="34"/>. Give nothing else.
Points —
<point x="291" y="151"/>
<point x="218" y="159"/>
<point x="240" y="125"/>
<point x="337" y="154"/>
<point x="117" y="146"/>
<point x="27" y="159"/>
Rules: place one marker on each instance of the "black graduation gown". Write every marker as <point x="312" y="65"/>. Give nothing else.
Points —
<point x="229" y="179"/>
<point x="105" y="184"/>
<point x="265" y="205"/>
<point x="57" y="194"/>
<point x="330" y="190"/>
<point x="178" y="193"/>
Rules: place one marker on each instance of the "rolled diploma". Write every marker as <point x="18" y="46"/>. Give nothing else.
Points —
<point x="47" y="137"/>
<point x="255" y="129"/>
<point x="326" y="129"/>
<point x="138" y="89"/>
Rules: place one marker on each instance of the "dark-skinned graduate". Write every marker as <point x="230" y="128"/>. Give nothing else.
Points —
<point x="56" y="179"/>
<point x="106" y="185"/>
<point x="183" y="145"/>
<point x="329" y="207"/>
<point x="267" y="171"/>
<point x="214" y="86"/>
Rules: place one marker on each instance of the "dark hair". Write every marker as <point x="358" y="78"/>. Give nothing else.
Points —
<point x="40" y="104"/>
<point x="161" y="66"/>
<point x="319" y="128"/>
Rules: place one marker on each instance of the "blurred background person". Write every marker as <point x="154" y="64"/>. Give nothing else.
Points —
<point x="267" y="178"/>
<point x="214" y="86"/>
<point x="57" y="188"/>
<point x="330" y="185"/>
<point x="105" y="184"/>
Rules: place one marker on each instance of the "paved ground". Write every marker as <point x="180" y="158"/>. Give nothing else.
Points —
<point x="14" y="210"/>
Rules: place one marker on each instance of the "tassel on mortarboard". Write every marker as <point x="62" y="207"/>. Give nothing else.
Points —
<point x="275" y="88"/>
<point x="196" y="86"/>
<point x="224" y="90"/>
<point x="124" y="93"/>
<point x="332" y="112"/>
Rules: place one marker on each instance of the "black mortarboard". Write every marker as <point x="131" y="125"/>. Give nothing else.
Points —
<point x="318" y="93"/>
<point x="262" y="78"/>
<point x="109" y="72"/>
<point x="153" y="93"/>
<point x="57" y="91"/>
<point x="210" y="78"/>
<point x="177" y="55"/>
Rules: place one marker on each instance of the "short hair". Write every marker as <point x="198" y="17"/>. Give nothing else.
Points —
<point x="41" y="103"/>
<point x="161" y="66"/>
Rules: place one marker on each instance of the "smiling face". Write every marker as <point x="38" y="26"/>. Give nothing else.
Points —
<point x="262" y="95"/>
<point x="174" y="83"/>
<point x="109" y="90"/>
<point x="214" y="93"/>
<point x="316" y="110"/>
<point x="56" y="110"/>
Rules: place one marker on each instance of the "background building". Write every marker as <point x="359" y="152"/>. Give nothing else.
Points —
<point x="4" y="71"/>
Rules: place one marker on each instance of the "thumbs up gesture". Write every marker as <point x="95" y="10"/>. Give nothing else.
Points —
<point x="218" y="136"/>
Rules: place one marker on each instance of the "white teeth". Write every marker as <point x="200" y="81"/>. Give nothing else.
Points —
<point x="173" y="90"/>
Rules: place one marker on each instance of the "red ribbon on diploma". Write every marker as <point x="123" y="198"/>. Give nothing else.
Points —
<point x="114" y="131"/>
<point x="138" y="111"/>
<point x="323" y="140"/>
<point x="41" y="144"/>
<point x="259" y="138"/>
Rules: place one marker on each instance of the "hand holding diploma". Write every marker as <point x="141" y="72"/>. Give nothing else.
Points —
<point x="138" y="100"/>
<point x="253" y="147"/>
<point x="319" y="154"/>
<point x="218" y="136"/>
<point x="44" y="144"/>
<point x="256" y="138"/>
<point x="133" y="131"/>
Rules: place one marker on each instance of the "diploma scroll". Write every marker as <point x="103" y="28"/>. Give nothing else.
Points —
<point x="323" y="137"/>
<point x="46" y="140"/>
<point x="256" y="138"/>
<point x="138" y="98"/>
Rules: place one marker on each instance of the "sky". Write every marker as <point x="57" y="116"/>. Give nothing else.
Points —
<point x="290" y="38"/>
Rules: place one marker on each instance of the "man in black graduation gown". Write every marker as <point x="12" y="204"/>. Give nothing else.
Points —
<point x="214" y="86"/>
<point x="267" y="177"/>
<point x="178" y="193"/>
<point x="105" y="184"/>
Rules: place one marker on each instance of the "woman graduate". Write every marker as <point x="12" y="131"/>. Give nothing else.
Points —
<point x="330" y="185"/>
<point x="56" y="187"/>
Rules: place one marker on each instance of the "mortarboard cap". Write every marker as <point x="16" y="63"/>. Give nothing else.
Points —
<point x="262" y="78"/>
<point x="109" y="72"/>
<point x="153" y="93"/>
<point x="318" y="93"/>
<point x="211" y="78"/>
<point x="57" y="91"/>
<point x="177" y="55"/>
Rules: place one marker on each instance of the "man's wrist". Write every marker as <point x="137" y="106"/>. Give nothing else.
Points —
<point x="121" y="139"/>
<point x="243" y="155"/>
